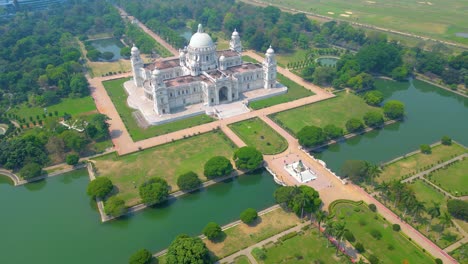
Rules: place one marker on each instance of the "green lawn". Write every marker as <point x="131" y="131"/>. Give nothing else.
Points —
<point x="293" y="56"/>
<point x="461" y="254"/>
<point x="72" y="106"/>
<point x="118" y="95"/>
<point x="295" y="91"/>
<point x="393" y="247"/>
<point x="453" y="178"/>
<point x="242" y="235"/>
<point x="335" y="111"/>
<point x="304" y="248"/>
<point x="168" y="161"/>
<point x="256" y="133"/>
<point x="403" y="168"/>
<point x="437" y="18"/>
<point x="242" y="260"/>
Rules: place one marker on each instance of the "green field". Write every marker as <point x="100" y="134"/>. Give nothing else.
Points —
<point x="118" y="96"/>
<point x="256" y="133"/>
<point x="166" y="161"/>
<point x="405" y="167"/>
<point x="438" y="18"/>
<point x="72" y="106"/>
<point x="453" y="178"/>
<point x="242" y="260"/>
<point x="393" y="247"/>
<point x="304" y="248"/>
<point x="335" y="111"/>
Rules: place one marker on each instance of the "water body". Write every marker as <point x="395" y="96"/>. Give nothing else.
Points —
<point x="111" y="44"/>
<point x="327" y="61"/>
<point x="54" y="221"/>
<point x="461" y="34"/>
<point x="430" y="114"/>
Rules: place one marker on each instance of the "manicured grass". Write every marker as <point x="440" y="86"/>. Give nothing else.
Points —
<point x="117" y="93"/>
<point x="334" y="111"/>
<point x="304" y="248"/>
<point x="461" y="254"/>
<point x="296" y="55"/>
<point x="242" y="235"/>
<point x="166" y="161"/>
<point x="437" y="18"/>
<point x="256" y="133"/>
<point x="361" y="222"/>
<point x="295" y="91"/>
<point x="72" y="106"/>
<point x="242" y="260"/>
<point x="419" y="161"/>
<point x="452" y="178"/>
<point x="99" y="68"/>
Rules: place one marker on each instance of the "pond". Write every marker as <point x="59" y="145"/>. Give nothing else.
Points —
<point x="186" y="33"/>
<point x="430" y="114"/>
<point x="54" y="221"/>
<point x="461" y="34"/>
<point x="327" y="61"/>
<point x="111" y="45"/>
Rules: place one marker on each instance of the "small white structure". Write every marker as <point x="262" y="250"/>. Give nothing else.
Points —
<point x="300" y="172"/>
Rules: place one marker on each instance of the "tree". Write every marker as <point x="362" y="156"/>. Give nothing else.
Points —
<point x="458" y="208"/>
<point x="248" y="215"/>
<point x="394" y="109"/>
<point x="400" y="73"/>
<point x="187" y="250"/>
<point x="311" y="136"/>
<point x="446" y="140"/>
<point x="445" y="220"/>
<point x="396" y="227"/>
<point x="154" y="191"/>
<point x="115" y="206"/>
<point x="332" y="131"/>
<point x="188" y="181"/>
<point x="298" y="199"/>
<point x="142" y="256"/>
<point x="372" y="207"/>
<point x="99" y="187"/>
<point x="323" y="75"/>
<point x="434" y="210"/>
<point x="79" y="85"/>
<point x="373" y="259"/>
<point x="426" y="149"/>
<point x="247" y="158"/>
<point x="125" y="52"/>
<point x="354" y="125"/>
<point x="373" y="119"/>
<point x="72" y="159"/>
<point x="339" y="230"/>
<point x="31" y="170"/>
<point x="217" y="167"/>
<point x="355" y="170"/>
<point x="359" y="247"/>
<point x="212" y="231"/>
<point x="373" y="98"/>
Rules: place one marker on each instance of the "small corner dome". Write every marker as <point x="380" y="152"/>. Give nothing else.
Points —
<point x="222" y="58"/>
<point x="134" y="49"/>
<point x="270" y="50"/>
<point x="235" y="33"/>
<point x="156" y="72"/>
<point x="201" y="39"/>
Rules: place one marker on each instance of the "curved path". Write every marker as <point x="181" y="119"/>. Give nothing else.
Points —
<point x="13" y="177"/>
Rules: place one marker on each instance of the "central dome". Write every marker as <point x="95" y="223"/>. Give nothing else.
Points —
<point x="201" y="39"/>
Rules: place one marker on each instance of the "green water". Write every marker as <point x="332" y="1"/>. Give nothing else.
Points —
<point x="54" y="221"/>
<point x="111" y="44"/>
<point x="327" y="61"/>
<point x="430" y="114"/>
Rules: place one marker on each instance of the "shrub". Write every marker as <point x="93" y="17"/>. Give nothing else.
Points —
<point x="332" y="131"/>
<point x="359" y="247"/>
<point x="394" y="109"/>
<point x="288" y="236"/>
<point x="248" y="158"/>
<point x="99" y="187"/>
<point x="311" y="136"/>
<point x="186" y="250"/>
<point x="142" y="256"/>
<point x="188" y="181"/>
<point x="212" y="230"/>
<point x="373" y="119"/>
<point x="373" y="259"/>
<point x="396" y="227"/>
<point x="72" y="159"/>
<point x="374" y="98"/>
<point x="354" y="125"/>
<point x="115" y="206"/>
<point x="217" y="167"/>
<point x="376" y="234"/>
<point x="446" y="140"/>
<point x="259" y="253"/>
<point x="349" y="236"/>
<point x="154" y="191"/>
<point x="438" y="261"/>
<point x="426" y="149"/>
<point x="372" y="207"/>
<point x="249" y="215"/>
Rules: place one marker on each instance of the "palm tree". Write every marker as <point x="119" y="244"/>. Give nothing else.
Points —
<point x="434" y="211"/>
<point x="409" y="199"/>
<point x="339" y="231"/>
<point x="302" y="200"/>
<point x="424" y="221"/>
<point x="445" y="220"/>
<point x="398" y="189"/>
<point x="320" y="216"/>
<point x="418" y="207"/>
<point x="329" y="230"/>
<point x="373" y="171"/>
<point x="384" y="189"/>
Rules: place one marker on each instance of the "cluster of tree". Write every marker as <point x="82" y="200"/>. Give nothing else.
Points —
<point x="154" y="191"/>
<point x="360" y="171"/>
<point x="249" y="215"/>
<point x="458" y="208"/>
<point x="142" y="256"/>
<point x="248" y="158"/>
<point x="299" y="199"/>
<point x="187" y="250"/>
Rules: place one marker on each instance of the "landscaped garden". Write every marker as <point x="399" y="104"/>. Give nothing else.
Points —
<point x="336" y="111"/>
<point x="244" y="235"/>
<point x="256" y="133"/>
<point x="412" y="164"/>
<point x="377" y="235"/>
<point x="461" y="253"/>
<point x="167" y="161"/>
<point x="453" y="178"/>
<point x="117" y="93"/>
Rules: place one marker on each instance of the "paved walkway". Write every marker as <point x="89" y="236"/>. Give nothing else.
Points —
<point x="13" y="177"/>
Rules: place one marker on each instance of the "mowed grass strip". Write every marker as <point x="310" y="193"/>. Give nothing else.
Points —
<point x="242" y="235"/>
<point x="452" y="178"/>
<point x="309" y="247"/>
<point x="117" y="93"/>
<point x="393" y="247"/>
<point x="256" y="133"/>
<point x="242" y="260"/>
<point x="166" y="161"/>
<point x="419" y="161"/>
<point x="334" y="111"/>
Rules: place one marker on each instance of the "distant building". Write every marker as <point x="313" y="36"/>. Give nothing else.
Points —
<point x="202" y="74"/>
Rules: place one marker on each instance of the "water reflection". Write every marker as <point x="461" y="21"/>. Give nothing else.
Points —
<point x="36" y="186"/>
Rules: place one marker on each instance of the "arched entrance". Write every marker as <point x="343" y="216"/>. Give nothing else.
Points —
<point x="223" y="94"/>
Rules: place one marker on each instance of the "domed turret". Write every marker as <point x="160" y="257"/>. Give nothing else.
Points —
<point x="269" y="68"/>
<point x="235" y="43"/>
<point x="201" y="39"/>
<point x="270" y="51"/>
<point x="201" y="50"/>
<point x="135" y="50"/>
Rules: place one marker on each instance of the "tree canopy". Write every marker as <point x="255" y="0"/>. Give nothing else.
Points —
<point x="373" y="98"/>
<point x="248" y="215"/>
<point x="354" y="125"/>
<point x="311" y="136"/>
<point x="217" y="167"/>
<point x="99" y="187"/>
<point x="31" y="170"/>
<point x="212" y="231"/>
<point x="332" y="131"/>
<point x="394" y="109"/>
<point x="298" y="199"/>
<point x="247" y="158"/>
<point x="458" y="209"/>
<point x="154" y="191"/>
<point x="188" y="181"/>
<point x="187" y="250"/>
<point x="115" y="206"/>
<point x="373" y="119"/>
<point x="142" y="256"/>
